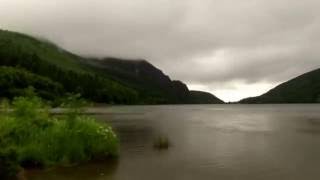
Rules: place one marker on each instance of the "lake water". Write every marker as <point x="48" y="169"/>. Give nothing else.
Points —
<point x="223" y="142"/>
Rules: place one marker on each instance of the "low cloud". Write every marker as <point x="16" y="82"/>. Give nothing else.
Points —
<point x="222" y="45"/>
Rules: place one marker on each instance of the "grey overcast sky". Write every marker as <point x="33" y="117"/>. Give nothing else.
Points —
<point x="232" y="48"/>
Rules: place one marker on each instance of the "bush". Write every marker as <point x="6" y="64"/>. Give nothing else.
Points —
<point x="8" y="164"/>
<point x="39" y="139"/>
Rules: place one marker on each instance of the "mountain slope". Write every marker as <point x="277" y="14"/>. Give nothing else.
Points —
<point x="302" y="89"/>
<point x="46" y="60"/>
<point x="199" y="97"/>
<point x="151" y="83"/>
<point x="109" y="80"/>
<point x="15" y="81"/>
<point x="18" y="43"/>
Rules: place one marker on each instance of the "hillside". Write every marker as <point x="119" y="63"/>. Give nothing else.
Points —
<point x="199" y="97"/>
<point x="302" y="89"/>
<point x="61" y="67"/>
<point x="15" y="82"/>
<point x="108" y="80"/>
<point x="151" y="83"/>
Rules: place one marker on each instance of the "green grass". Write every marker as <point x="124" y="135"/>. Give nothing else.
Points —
<point x="32" y="138"/>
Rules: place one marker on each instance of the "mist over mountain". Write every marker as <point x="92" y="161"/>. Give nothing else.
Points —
<point x="235" y="49"/>
<point x="108" y="80"/>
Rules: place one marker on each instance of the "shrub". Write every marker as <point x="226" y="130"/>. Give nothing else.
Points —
<point x="39" y="139"/>
<point x="8" y="164"/>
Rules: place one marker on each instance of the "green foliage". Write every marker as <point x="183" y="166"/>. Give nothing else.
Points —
<point x="74" y="104"/>
<point x="17" y="82"/>
<point x="8" y="164"/>
<point x="20" y="44"/>
<point x="39" y="139"/>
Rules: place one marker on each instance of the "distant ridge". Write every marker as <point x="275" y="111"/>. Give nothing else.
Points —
<point x="302" y="89"/>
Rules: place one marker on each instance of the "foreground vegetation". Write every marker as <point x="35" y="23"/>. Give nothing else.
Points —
<point x="32" y="138"/>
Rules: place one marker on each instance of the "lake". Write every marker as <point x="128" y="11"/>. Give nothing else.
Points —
<point x="223" y="142"/>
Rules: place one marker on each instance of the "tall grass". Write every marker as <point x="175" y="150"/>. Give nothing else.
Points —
<point x="30" y="137"/>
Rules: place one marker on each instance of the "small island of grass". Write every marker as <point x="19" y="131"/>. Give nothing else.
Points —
<point x="161" y="143"/>
<point x="31" y="137"/>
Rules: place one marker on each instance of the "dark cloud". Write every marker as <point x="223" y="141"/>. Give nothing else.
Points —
<point x="220" y="45"/>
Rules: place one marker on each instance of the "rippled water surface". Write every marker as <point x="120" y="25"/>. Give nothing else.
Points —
<point x="220" y="142"/>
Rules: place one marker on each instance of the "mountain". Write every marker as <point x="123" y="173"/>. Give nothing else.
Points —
<point x="63" y="68"/>
<point x="108" y="80"/>
<point x="302" y="89"/>
<point x="199" y="97"/>
<point x="150" y="82"/>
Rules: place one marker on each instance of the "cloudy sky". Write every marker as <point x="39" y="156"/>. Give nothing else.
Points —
<point x="231" y="48"/>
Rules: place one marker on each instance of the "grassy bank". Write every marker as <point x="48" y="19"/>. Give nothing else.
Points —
<point x="32" y="138"/>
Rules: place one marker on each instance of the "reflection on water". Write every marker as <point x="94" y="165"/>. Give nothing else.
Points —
<point x="90" y="171"/>
<point x="208" y="142"/>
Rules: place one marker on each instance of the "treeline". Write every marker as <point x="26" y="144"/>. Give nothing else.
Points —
<point x="16" y="82"/>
